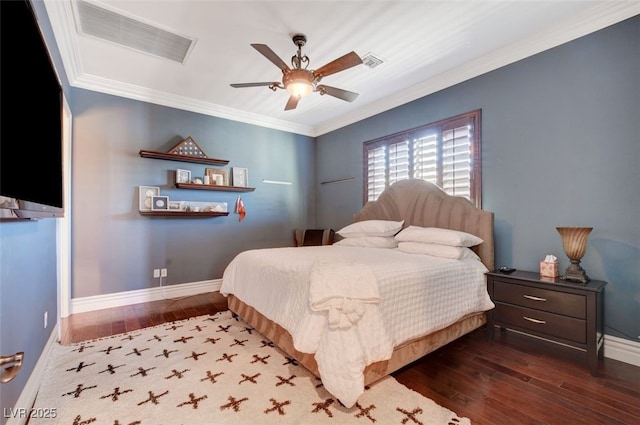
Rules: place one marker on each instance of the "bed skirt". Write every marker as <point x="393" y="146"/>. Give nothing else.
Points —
<point x="403" y="354"/>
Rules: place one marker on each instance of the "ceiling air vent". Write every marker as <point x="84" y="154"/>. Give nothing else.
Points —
<point x="371" y="60"/>
<point x="106" y="24"/>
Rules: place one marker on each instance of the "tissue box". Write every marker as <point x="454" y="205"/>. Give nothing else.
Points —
<point x="549" y="269"/>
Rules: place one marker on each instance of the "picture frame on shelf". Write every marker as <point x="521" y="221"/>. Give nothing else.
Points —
<point x="160" y="203"/>
<point x="145" y="197"/>
<point x="195" y="206"/>
<point x="217" y="177"/>
<point x="176" y="206"/>
<point x="240" y="176"/>
<point x="183" y="176"/>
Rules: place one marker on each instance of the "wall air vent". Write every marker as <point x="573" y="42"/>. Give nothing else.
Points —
<point x="97" y="21"/>
<point x="371" y="60"/>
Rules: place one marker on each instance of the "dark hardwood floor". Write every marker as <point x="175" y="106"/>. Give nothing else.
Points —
<point x="512" y="380"/>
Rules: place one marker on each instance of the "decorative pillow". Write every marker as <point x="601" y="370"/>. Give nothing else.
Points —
<point x="371" y="228"/>
<point x="369" y="242"/>
<point x="437" y="250"/>
<point x="438" y="235"/>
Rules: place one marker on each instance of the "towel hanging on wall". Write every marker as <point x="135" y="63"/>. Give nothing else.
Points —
<point x="240" y="209"/>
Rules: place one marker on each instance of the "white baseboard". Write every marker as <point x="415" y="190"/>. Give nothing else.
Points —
<point x="624" y="350"/>
<point x="120" y="299"/>
<point x="30" y="391"/>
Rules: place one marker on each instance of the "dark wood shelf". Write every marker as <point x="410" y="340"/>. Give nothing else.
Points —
<point x="202" y="214"/>
<point x="214" y="187"/>
<point x="182" y="158"/>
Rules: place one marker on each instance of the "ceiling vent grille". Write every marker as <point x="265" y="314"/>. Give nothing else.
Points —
<point x="371" y="60"/>
<point x="108" y="25"/>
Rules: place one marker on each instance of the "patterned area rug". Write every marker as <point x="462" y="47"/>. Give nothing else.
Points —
<point x="208" y="370"/>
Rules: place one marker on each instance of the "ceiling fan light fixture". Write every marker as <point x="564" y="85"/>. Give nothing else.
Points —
<point x="298" y="82"/>
<point x="299" y="88"/>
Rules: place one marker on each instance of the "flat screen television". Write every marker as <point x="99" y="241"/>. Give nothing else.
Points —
<point x="31" y="169"/>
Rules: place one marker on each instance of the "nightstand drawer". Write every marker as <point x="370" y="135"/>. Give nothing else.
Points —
<point x="541" y="322"/>
<point x="543" y="299"/>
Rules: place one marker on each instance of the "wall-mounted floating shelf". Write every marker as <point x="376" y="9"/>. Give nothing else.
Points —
<point x="182" y="158"/>
<point x="214" y="187"/>
<point x="202" y="214"/>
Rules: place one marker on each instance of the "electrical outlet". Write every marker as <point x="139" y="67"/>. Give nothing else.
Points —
<point x="46" y="319"/>
<point x="163" y="273"/>
<point x="156" y="273"/>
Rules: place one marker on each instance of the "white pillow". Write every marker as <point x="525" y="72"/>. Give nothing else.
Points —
<point x="437" y="250"/>
<point x="371" y="228"/>
<point x="438" y="235"/>
<point x="369" y="242"/>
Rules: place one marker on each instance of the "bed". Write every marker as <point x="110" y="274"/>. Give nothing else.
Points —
<point x="271" y="289"/>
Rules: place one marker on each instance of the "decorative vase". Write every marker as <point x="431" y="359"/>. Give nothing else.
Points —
<point x="574" y="242"/>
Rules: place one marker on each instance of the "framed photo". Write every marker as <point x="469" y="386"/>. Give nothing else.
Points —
<point x="240" y="176"/>
<point x="183" y="176"/>
<point x="217" y="177"/>
<point x="160" y="203"/>
<point x="145" y="196"/>
<point x="175" y="206"/>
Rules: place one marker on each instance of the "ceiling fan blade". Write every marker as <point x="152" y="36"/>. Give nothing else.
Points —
<point x="270" y="54"/>
<point x="291" y="103"/>
<point x="340" y="64"/>
<point x="349" y="96"/>
<point x="266" y="83"/>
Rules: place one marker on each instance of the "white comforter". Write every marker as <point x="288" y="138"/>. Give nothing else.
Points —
<point x="419" y="294"/>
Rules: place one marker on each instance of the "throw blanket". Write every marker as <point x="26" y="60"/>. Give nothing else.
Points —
<point x="342" y="289"/>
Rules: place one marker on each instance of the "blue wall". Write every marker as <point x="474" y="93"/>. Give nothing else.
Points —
<point x="560" y="147"/>
<point x="115" y="249"/>
<point x="28" y="289"/>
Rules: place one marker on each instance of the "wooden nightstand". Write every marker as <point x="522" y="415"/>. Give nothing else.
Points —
<point x="555" y="310"/>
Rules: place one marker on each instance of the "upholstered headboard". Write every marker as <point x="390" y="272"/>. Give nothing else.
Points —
<point x="421" y="203"/>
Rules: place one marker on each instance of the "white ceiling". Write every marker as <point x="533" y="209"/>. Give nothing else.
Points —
<point x="426" y="46"/>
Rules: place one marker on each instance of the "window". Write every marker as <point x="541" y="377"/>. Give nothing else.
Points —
<point x="446" y="153"/>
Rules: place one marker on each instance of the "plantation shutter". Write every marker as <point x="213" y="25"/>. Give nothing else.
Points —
<point x="398" y="161"/>
<point x="426" y="154"/>
<point x="376" y="165"/>
<point x="456" y="162"/>
<point x="446" y="153"/>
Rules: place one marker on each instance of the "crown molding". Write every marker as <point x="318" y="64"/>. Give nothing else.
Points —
<point x="143" y="94"/>
<point x="598" y="17"/>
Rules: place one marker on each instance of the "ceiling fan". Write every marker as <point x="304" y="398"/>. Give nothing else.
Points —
<point x="299" y="81"/>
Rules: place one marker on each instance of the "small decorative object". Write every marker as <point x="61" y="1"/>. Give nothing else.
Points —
<point x="183" y="176"/>
<point x="217" y="177"/>
<point x="574" y="242"/>
<point x="549" y="267"/>
<point x="194" y="206"/>
<point x="145" y="195"/>
<point x="188" y="147"/>
<point x="160" y="203"/>
<point x="175" y="206"/>
<point x="197" y="180"/>
<point x="240" y="209"/>
<point x="207" y="180"/>
<point x="240" y="177"/>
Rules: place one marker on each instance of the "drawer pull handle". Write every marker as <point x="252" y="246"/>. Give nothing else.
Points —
<point x="531" y="297"/>
<point x="540" y="322"/>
